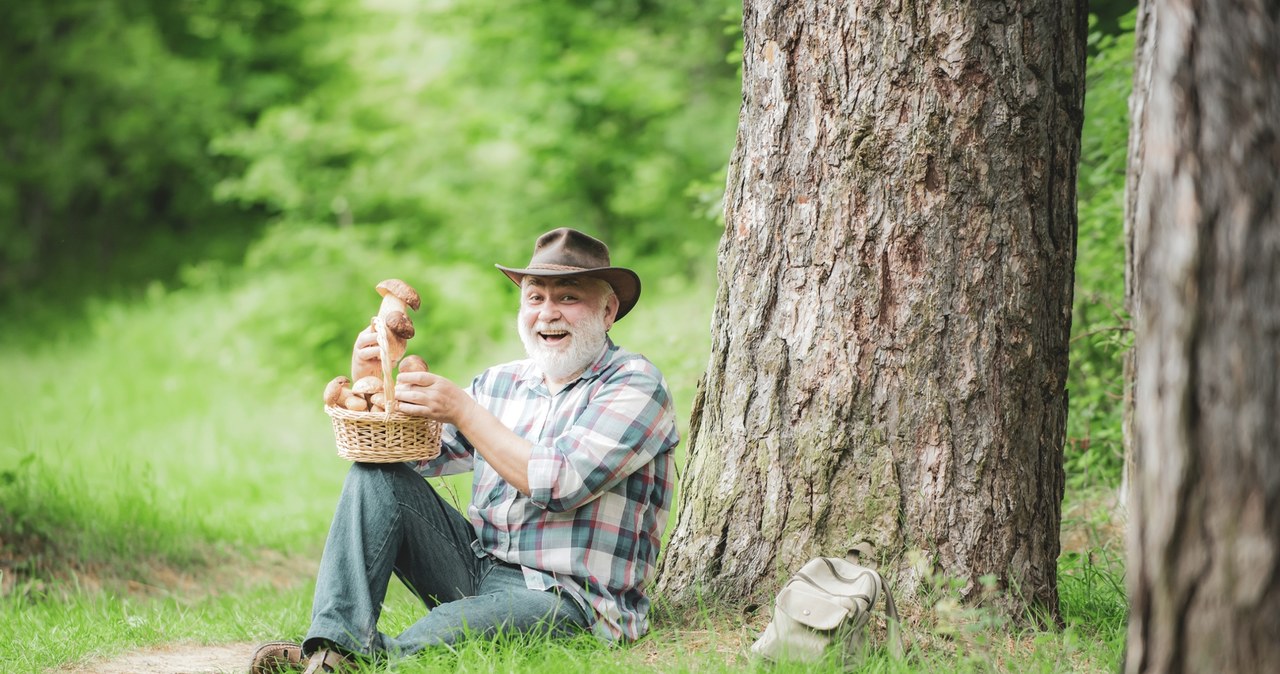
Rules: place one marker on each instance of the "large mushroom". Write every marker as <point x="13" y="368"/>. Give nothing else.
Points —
<point x="397" y="298"/>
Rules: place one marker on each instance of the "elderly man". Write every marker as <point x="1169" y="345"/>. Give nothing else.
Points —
<point x="571" y="451"/>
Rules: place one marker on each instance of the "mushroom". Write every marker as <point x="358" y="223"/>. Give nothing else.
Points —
<point x="397" y="298"/>
<point x="367" y="386"/>
<point x="399" y="324"/>
<point x="399" y="330"/>
<point x="356" y="404"/>
<point x="413" y="363"/>
<point x="337" y="391"/>
<point x="378" y="402"/>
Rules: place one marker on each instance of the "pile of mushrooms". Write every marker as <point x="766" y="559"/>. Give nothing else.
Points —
<point x="367" y="393"/>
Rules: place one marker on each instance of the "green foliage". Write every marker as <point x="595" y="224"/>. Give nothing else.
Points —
<point x="307" y="291"/>
<point x="1110" y="17"/>
<point x="1100" y="332"/>
<point x="106" y="112"/>
<point x="473" y="127"/>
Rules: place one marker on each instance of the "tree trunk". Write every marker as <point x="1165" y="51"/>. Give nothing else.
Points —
<point x="1145" y="32"/>
<point x="889" y="349"/>
<point x="1204" y="537"/>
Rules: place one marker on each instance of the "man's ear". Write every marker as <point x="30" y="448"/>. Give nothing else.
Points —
<point x="610" y="311"/>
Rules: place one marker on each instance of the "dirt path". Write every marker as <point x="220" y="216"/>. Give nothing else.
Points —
<point x="173" y="659"/>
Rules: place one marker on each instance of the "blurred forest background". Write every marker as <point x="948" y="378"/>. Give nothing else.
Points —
<point x="197" y="197"/>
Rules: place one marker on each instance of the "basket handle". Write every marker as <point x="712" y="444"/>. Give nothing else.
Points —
<point x="388" y="382"/>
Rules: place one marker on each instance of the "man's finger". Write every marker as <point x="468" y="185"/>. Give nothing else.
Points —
<point x="415" y="378"/>
<point x="411" y="409"/>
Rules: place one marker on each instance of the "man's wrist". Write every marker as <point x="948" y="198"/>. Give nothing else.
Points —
<point x="467" y="415"/>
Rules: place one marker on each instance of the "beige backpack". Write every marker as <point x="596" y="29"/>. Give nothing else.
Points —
<point x="827" y="603"/>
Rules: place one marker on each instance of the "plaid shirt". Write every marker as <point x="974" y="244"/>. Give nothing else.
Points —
<point x="600" y="482"/>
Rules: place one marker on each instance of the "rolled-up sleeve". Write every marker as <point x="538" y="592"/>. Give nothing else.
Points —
<point x="626" y="422"/>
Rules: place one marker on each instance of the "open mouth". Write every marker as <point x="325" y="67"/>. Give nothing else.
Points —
<point x="553" y="336"/>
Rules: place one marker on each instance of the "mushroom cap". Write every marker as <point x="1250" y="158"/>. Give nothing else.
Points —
<point x="413" y="363"/>
<point x="394" y="286"/>
<point x="399" y="324"/>
<point x="333" y="391"/>
<point x="367" y="385"/>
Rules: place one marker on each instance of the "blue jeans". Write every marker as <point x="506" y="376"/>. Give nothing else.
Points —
<point x="389" y="520"/>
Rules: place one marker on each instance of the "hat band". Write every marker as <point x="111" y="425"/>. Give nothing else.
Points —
<point x="556" y="267"/>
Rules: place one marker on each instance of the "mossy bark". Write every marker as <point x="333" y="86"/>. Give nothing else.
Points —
<point x="889" y="349"/>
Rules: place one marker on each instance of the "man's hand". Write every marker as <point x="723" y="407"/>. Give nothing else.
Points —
<point x="425" y="394"/>
<point x="365" y="358"/>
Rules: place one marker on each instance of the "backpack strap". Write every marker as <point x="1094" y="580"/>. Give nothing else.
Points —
<point x="894" y="623"/>
<point x="862" y="554"/>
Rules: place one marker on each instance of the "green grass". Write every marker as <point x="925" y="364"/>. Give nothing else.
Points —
<point x="159" y="442"/>
<point x="172" y="449"/>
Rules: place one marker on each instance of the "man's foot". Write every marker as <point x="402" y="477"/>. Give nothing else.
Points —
<point x="275" y="657"/>
<point x="326" y="661"/>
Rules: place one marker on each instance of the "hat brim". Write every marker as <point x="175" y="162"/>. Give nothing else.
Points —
<point x="625" y="283"/>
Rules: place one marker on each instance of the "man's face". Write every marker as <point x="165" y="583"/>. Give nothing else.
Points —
<point x="563" y="322"/>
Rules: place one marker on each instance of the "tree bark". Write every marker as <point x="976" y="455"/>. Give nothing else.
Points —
<point x="890" y="337"/>
<point x="1145" y="31"/>
<point x="1204" y="536"/>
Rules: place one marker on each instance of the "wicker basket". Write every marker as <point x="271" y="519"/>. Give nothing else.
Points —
<point x="384" y="437"/>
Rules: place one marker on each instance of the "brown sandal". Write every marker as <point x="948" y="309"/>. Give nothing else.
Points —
<point x="276" y="657"/>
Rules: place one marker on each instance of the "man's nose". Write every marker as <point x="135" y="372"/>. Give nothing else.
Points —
<point x="549" y="310"/>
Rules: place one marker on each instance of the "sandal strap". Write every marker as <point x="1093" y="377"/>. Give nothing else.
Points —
<point x="326" y="661"/>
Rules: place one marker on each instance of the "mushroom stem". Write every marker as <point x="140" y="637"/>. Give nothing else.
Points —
<point x="392" y="303"/>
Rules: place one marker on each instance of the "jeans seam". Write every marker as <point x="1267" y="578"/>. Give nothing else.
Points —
<point x="376" y="559"/>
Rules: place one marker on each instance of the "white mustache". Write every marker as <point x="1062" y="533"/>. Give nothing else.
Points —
<point x="548" y="327"/>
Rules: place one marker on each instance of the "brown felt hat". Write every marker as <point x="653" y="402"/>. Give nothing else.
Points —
<point x="568" y="252"/>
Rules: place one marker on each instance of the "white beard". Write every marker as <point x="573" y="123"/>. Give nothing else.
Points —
<point x="586" y="341"/>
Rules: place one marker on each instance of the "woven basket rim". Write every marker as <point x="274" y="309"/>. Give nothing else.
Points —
<point x="344" y="413"/>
